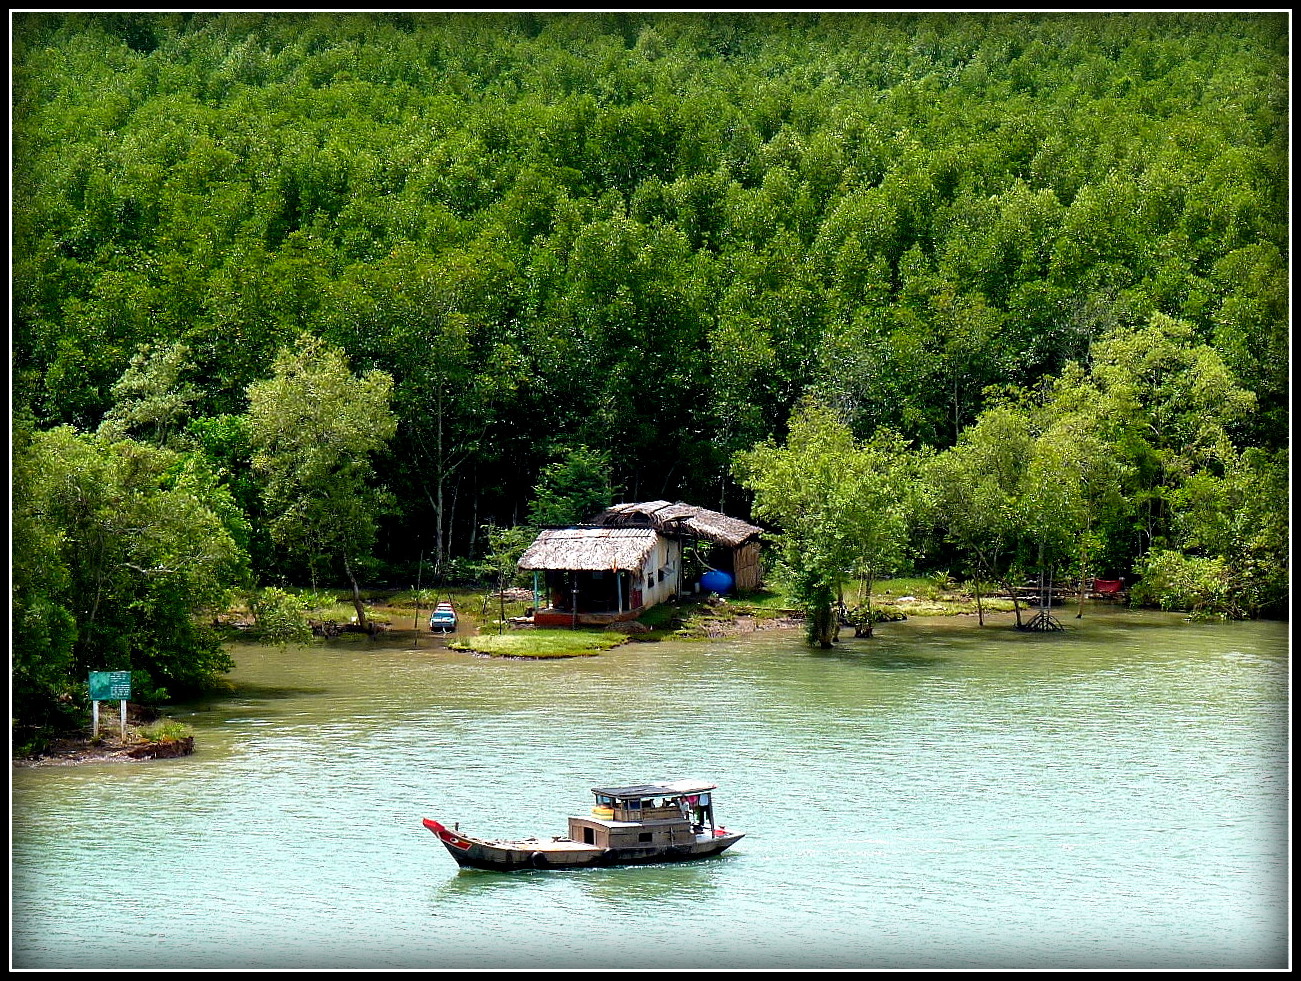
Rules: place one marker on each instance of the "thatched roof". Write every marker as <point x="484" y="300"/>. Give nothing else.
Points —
<point x="679" y="519"/>
<point x="590" y="549"/>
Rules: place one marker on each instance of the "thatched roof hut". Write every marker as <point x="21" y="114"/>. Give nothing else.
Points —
<point x="631" y="557"/>
<point x="590" y="549"/>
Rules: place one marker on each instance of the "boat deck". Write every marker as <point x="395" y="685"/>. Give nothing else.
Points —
<point x="538" y="845"/>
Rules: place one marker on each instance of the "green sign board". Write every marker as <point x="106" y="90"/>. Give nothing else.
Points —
<point x="110" y="686"/>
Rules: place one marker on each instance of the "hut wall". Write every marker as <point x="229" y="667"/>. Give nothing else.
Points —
<point x="659" y="576"/>
<point x="745" y="567"/>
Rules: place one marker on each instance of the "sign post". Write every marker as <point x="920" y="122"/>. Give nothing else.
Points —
<point x="107" y="686"/>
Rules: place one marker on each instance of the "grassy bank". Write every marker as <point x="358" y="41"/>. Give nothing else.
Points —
<point x="539" y="644"/>
<point x="485" y="619"/>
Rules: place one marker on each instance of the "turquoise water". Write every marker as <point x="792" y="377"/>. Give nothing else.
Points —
<point x="939" y="796"/>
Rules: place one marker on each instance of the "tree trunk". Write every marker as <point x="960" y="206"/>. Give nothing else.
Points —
<point x="866" y="629"/>
<point x="1003" y="581"/>
<point x="826" y="627"/>
<point x="440" y="479"/>
<point x="362" y="622"/>
<point x="1016" y="603"/>
<point x="1083" y="558"/>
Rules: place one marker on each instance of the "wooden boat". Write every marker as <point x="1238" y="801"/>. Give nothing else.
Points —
<point x="443" y="618"/>
<point x="652" y="822"/>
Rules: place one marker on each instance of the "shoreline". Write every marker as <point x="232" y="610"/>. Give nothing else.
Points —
<point x="717" y="623"/>
<point x="78" y="752"/>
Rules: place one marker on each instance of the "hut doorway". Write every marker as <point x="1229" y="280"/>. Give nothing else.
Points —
<point x="577" y="591"/>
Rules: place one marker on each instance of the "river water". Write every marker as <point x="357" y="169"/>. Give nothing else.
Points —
<point x="940" y="796"/>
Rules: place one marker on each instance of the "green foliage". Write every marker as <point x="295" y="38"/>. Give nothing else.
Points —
<point x="540" y="643"/>
<point x="656" y="237"/>
<point x="165" y="731"/>
<point x="505" y="546"/>
<point x="150" y="401"/>
<point x="573" y="489"/>
<point x="1173" y="581"/>
<point x="840" y="504"/>
<point x="279" y="617"/>
<point x="43" y="625"/>
<point x="124" y="549"/>
<point x="1028" y="486"/>
<point x="1240" y="517"/>
<point x="313" y="427"/>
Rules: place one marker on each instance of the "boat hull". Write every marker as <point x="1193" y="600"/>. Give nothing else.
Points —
<point x="563" y="853"/>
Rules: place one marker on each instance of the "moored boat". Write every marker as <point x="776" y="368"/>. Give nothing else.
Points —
<point x="652" y="822"/>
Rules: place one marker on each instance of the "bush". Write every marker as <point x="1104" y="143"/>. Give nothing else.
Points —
<point x="1173" y="581"/>
<point x="165" y="731"/>
<point x="279" y="617"/>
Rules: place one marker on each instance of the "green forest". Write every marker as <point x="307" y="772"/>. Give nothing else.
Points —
<point x="337" y="299"/>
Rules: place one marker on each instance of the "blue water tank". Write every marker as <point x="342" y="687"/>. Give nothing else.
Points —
<point x="714" y="581"/>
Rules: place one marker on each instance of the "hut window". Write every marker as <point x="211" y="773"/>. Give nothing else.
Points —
<point x="650" y="580"/>
<point x="644" y="836"/>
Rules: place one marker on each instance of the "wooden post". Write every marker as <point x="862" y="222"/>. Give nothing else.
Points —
<point x="419" y="569"/>
<point x="1084" y="555"/>
<point x="94" y="714"/>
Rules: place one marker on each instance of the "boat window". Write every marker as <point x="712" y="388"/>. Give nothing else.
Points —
<point x="644" y="836"/>
<point x="634" y="805"/>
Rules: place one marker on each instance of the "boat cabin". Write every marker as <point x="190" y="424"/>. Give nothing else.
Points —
<point x="647" y="816"/>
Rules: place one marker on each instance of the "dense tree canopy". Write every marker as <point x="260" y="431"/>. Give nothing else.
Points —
<point x="652" y="235"/>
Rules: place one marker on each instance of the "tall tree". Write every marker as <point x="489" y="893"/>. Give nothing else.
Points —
<point x="150" y="399"/>
<point x="976" y="487"/>
<point x="836" y="503"/>
<point x="1172" y="407"/>
<point x="314" y="426"/>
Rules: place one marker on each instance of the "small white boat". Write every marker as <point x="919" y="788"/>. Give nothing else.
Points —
<point x="443" y="619"/>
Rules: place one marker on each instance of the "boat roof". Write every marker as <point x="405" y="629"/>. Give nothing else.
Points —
<point x="643" y="790"/>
